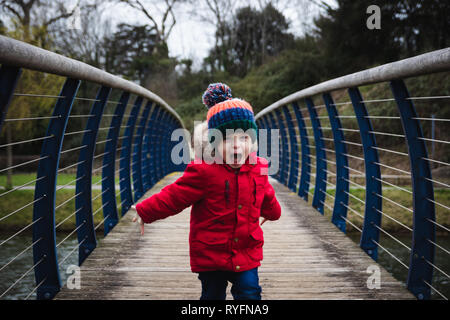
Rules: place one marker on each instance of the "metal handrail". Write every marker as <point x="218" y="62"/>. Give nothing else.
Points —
<point x="426" y="63"/>
<point x="17" y="53"/>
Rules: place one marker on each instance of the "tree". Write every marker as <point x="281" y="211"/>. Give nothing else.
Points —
<point x="249" y="39"/>
<point x="348" y="44"/>
<point x="422" y="25"/>
<point x="38" y="14"/>
<point x="164" y="28"/>
<point x="29" y="21"/>
<point x="408" y="28"/>
<point x="218" y="13"/>
<point x="86" y="39"/>
<point x="293" y="69"/>
<point x="135" y="52"/>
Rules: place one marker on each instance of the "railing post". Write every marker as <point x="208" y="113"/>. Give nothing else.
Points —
<point x="146" y="152"/>
<point x="167" y="161"/>
<point x="372" y="216"/>
<point x="305" y="176"/>
<point x="109" y="161"/>
<point x="159" y="146"/>
<point x="277" y="157"/>
<point x="260" y="125"/>
<point x="165" y="146"/>
<point x="9" y="76"/>
<point x="342" y="174"/>
<point x="152" y="140"/>
<point x="269" y="141"/>
<point x="321" y="164"/>
<point x="293" y="170"/>
<point x="83" y="201"/>
<point x="423" y="238"/>
<point x="284" y="148"/>
<point x="126" y="194"/>
<point x="137" y="154"/>
<point x="46" y="269"/>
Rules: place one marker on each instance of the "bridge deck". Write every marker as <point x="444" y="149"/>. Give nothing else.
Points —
<point x="305" y="257"/>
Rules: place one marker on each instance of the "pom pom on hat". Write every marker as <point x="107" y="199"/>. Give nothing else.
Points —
<point x="216" y="93"/>
<point x="224" y="112"/>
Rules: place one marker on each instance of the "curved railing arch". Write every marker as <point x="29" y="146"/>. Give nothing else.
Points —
<point x="423" y="240"/>
<point x="139" y="139"/>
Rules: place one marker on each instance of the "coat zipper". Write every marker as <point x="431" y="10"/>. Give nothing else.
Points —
<point x="227" y="191"/>
<point x="236" y="173"/>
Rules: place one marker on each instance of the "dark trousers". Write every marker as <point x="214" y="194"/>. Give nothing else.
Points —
<point x="245" y="285"/>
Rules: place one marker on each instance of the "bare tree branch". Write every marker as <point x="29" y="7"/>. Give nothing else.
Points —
<point x="7" y="6"/>
<point x="63" y="15"/>
<point x="136" y="4"/>
<point x="174" y="21"/>
<point x="163" y="29"/>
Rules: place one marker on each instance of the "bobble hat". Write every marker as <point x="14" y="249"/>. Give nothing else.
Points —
<point x="226" y="112"/>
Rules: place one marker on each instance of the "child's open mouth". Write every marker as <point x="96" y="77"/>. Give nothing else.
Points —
<point x="237" y="157"/>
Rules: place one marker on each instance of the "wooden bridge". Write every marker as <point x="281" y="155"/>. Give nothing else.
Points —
<point x="304" y="258"/>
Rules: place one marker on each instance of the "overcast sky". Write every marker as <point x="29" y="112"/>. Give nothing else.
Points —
<point x="193" y="37"/>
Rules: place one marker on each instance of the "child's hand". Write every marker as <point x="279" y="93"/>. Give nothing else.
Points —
<point x="139" y="220"/>
<point x="264" y="220"/>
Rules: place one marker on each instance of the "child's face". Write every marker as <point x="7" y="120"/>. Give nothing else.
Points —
<point x="235" y="148"/>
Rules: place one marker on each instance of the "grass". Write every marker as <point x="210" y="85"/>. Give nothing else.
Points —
<point x="20" y="198"/>
<point x="21" y="179"/>
<point x="395" y="212"/>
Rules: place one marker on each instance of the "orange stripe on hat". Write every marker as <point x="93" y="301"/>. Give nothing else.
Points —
<point x="228" y="104"/>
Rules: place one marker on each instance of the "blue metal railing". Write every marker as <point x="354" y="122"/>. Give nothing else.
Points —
<point x="124" y="135"/>
<point x="337" y="162"/>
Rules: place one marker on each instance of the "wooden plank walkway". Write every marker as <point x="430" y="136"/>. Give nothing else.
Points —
<point x="305" y="257"/>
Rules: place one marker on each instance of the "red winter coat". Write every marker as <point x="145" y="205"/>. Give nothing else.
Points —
<point x="226" y="205"/>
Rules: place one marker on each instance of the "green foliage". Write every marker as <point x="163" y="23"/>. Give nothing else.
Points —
<point x="348" y="44"/>
<point x="408" y="27"/>
<point x="21" y="198"/>
<point x="136" y="52"/>
<point x="31" y="82"/>
<point x="192" y="110"/>
<point x="292" y="70"/>
<point x="395" y="212"/>
<point x="422" y="25"/>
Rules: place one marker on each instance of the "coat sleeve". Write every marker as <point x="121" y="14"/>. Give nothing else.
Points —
<point x="270" y="208"/>
<point x="174" y="198"/>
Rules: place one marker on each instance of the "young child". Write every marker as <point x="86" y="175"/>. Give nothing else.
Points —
<point x="228" y="197"/>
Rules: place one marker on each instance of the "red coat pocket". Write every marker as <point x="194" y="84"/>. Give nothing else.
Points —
<point x="209" y="253"/>
<point x="259" y="183"/>
<point x="255" y="250"/>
